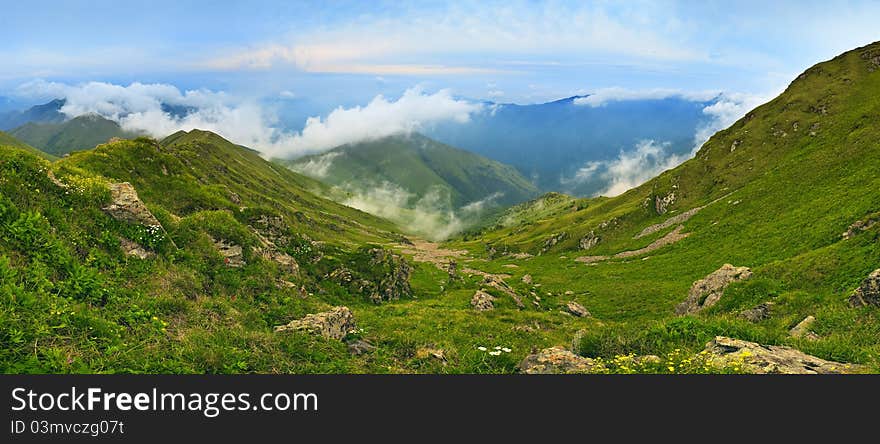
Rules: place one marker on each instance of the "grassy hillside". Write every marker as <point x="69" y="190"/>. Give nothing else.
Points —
<point x="774" y="192"/>
<point x="411" y="179"/>
<point x="80" y="133"/>
<point x="418" y="165"/>
<point x="9" y="141"/>
<point x="100" y="294"/>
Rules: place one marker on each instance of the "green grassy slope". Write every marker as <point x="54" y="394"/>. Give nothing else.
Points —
<point x="419" y="165"/>
<point x="9" y="141"/>
<point x="67" y="285"/>
<point x="79" y="133"/>
<point x="779" y="186"/>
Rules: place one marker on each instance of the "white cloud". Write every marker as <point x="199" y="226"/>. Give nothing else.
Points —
<point x="138" y="107"/>
<point x="616" y="94"/>
<point x="725" y="111"/>
<point x="650" y="158"/>
<point x="431" y="215"/>
<point x="316" y="167"/>
<point x="378" y="45"/>
<point x="379" y="118"/>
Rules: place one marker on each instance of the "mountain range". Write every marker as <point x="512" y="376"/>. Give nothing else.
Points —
<point x="193" y="254"/>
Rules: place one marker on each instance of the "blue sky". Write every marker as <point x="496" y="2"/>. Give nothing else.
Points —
<point x="347" y="52"/>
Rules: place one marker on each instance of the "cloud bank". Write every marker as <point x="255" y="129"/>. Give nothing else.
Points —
<point x="144" y="107"/>
<point x="650" y="158"/>
<point x="616" y="94"/>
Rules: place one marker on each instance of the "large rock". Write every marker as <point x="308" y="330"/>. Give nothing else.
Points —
<point x="555" y="360"/>
<point x="757" y="313"/>
<point x="577" y="309"/>
<point x="751" y="357"/>
<point x="588" y="241"/>
<point x="707" y="291"/>
<point x="233" y="255"/>
<point x="868" y="293"/>
<point x="333" y="324"/>
<point x="499" y="284"/>
<point x="127" y="207"/>
<point x="482" y="301"/>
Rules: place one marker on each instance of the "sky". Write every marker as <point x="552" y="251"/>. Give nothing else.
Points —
<point x="309" y="58"/>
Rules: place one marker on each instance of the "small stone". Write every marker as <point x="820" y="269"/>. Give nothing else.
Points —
<point x="803" y="327"/>
<point x="482" y="301"/>
<point x="359" y="347"/>
<point x="758" y="313"/>
<point x="555" y="360"/>
<point x="527" y="279"/>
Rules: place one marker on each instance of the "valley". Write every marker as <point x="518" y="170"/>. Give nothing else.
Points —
<point x="193" y="254"/>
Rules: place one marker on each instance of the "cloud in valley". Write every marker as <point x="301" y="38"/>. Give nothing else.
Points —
<point x="139" y="107"/>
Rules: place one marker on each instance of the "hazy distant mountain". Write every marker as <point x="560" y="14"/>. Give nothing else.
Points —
<point x="80" y="133"/>
<point x="551" y="140"/>
<point x="45" y="113"/>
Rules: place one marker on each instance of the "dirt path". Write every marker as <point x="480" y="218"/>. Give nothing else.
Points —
<point x="430" y="252"/>
<point x="669" y="239"/>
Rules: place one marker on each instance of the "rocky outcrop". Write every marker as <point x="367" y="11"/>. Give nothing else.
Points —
<point x="134" y="249"/>
<point x="662" y="203"/>
<point x="868" y="293"/>
<point x="859" y="226"/>
<point x="271" y="231"/>
<point x="377" y="274"/>
<point x="126" y="206"/>
<point x="589" y="241"/>
<point x="757" y="313"/>
<point x="577" y="309"/>
<point x="555" y="360"/>
<point x="482" y="301"/>
<point x="233" y="255"/>
<point x="751" y="357"/>
<point x="707" y="291"/>
<point x="553" y="240"/>
<point x="500" y="285"/>
<point x="333" y="324"/>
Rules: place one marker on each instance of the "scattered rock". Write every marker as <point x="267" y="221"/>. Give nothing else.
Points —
<point x="736" y="143"/>
<point x="359" y="347"/>
<point x="589" y="241"/>
<point x="577" y="309"/>
<point x="707" y="291"/>
<point x="802" y="329"/>
<point x="134" y="249"/>
<point x="859" y="226"/>
<point x="482" y="301"/>
<point x="872" y="56"/>
<point x="333" y="324"/>
<point x="555" y="360"/>
<point x="127" y="207"/>
<point x="677" y="219"/>
<point x="758" y="313"/>
<point x="527" y="279"/>
<point x="520" y="255"/>
<point x="233" y="255"/>
<point x="868" y="293"/>
<point x="670" y="238"/>
<point x="755" y="358"/>
<point x="568" y="292"/>
<point x="553" y="240"/>
<point x="500" y="285"/>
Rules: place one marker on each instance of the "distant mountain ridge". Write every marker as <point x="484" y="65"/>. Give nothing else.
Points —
<point x="550" y="141"/>
<point x="62" y="137"/>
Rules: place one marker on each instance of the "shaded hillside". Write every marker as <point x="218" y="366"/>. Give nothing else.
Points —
<point x="7" y="140"/>
<point x="79" y="133"/>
